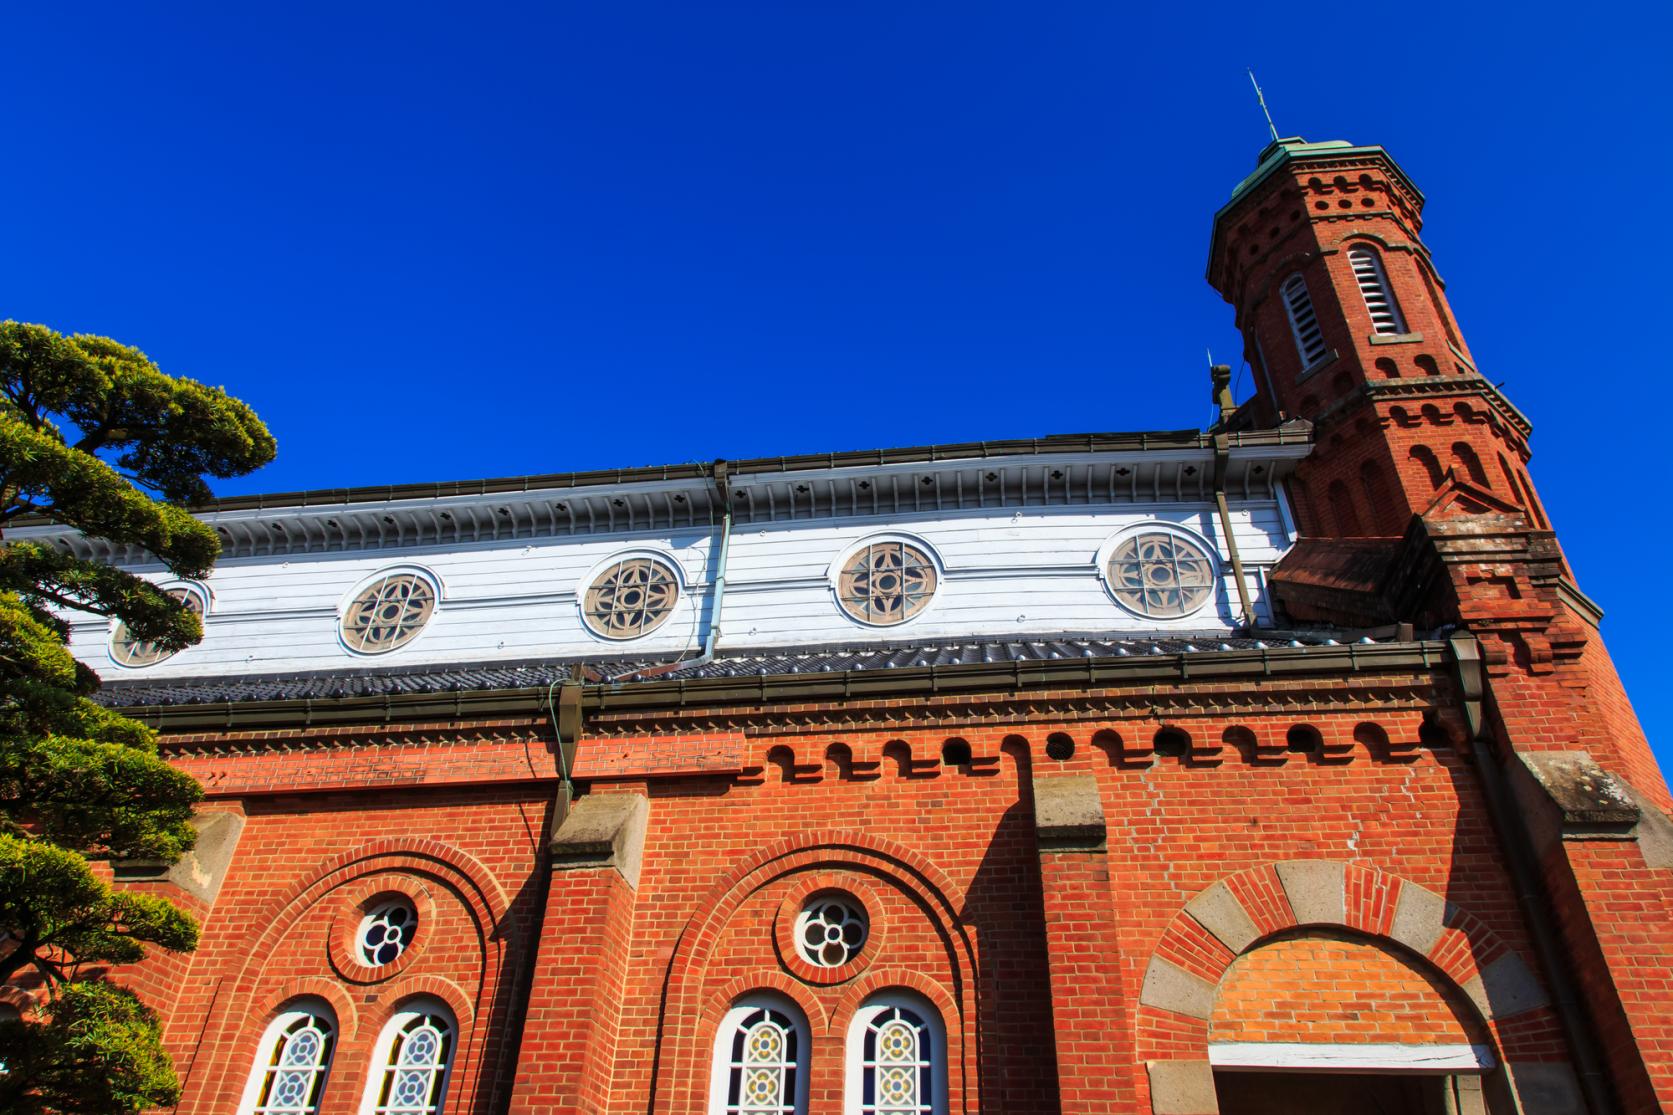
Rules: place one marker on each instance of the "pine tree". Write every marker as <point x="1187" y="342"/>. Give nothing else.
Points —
<point x="94" y="436"/>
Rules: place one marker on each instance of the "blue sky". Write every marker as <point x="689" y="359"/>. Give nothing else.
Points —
<point x="441" y="242"/>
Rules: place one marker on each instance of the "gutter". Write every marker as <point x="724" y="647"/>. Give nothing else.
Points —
<point x="1221" y="376"/>
<point x="717" y="594"/>
<point x="1136" y="442"/>
<point x="1521" y="860"/>
<point x="530" y="702"/>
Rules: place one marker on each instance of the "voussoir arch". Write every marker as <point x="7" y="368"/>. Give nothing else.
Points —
<point x="1242" y="911"/>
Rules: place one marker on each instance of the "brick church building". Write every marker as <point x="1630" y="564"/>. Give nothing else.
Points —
<point x="1269" y="768"/>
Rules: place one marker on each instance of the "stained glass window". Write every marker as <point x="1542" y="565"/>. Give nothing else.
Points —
<point x="385" y="932"/>
<point x="897" y="1066"/>
<point x="291" y="1065"/>
<point x="886" y="583"/>
<point x="388" y="613"/>
<point x="414" y="1076"/>
<point x="897" y="1058"/>
<point x="130" y="651"/>
<point x="631" y="598"/>
<point x="1161" y="574"/>
<point x="759" y="1061"/>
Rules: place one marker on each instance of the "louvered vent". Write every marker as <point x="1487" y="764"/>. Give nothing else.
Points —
<point x="1373" y="284"/>
<point x="1309" y="338"/>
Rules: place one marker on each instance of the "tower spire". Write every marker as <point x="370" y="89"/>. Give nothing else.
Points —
<point x="1259" y="96"/>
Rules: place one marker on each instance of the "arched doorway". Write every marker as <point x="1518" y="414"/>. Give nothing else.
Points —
<point x="1332" y="1023"/>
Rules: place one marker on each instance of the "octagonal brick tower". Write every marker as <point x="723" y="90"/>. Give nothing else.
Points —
<point x="1415" y="506"/>
<point x="1346" y="323"/>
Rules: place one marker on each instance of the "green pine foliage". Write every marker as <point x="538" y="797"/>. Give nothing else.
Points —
<point x="93" y="435"/>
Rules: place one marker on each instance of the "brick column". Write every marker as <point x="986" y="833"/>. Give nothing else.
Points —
<point x="1089" y="1011"/>
<point x="568" y="1044"/>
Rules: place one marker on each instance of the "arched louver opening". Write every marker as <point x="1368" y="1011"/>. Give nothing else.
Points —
<point x="1373" y="285"/>
<point x="1304" y="323"/>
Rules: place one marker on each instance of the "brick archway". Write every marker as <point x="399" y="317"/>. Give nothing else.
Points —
<point x="1242" y="912"/>
<point x="680" y="1086"/>
<point x="250" y="984"/>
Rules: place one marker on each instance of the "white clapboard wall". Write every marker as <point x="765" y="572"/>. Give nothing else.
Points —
<point x="1003" y="574"/>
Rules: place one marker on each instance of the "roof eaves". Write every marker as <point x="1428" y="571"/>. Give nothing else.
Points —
<point x="1136" y="442"/>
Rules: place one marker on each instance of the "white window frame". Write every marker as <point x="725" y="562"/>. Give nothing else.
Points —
<point x="855" y="1069"/>
<point x="720" y="1075"/>
<point x="269" y="1047"/>
<point x="382" y="1066"/>
<point x="1310" y="354"/>
<point x="1372" y="280"/>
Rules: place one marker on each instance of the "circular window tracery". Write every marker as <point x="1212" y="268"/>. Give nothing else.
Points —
<point x="831" y="930"/>
<point x="385" y="932"/>
<point x="129" y="651"/>
<point x="631" y="598"/>
<point x="1161" y="574"/>
<point x="389" y="613"/>
<point x="886" y="583"/>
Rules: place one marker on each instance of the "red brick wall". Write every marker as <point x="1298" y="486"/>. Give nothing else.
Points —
<point x="290" y="903"/>
<point x="853" y="797"/>
<point x="1315" y="988"/>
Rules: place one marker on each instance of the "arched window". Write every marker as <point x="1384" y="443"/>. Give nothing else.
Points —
<point x="1304" y="323"/>
<point x="1373" y="286"/>
<point x="1342" y="508"/>
<point x="1376" y="493"/>
<point x="1533" y="502"/>
<point x="411" y="1061"/>
<point x="1465" y="460"/>
<point x="292" y="1062"/>
<point x="760" y="1061"/>
<point x="897" y="1058"/>
<point x="1425" y="456"/>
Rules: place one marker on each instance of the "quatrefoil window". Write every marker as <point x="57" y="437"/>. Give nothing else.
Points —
<point x="631" y="598"/>
<point x="1161" y="574"/>
<point x="886" y="583"/>
<point x="831" y="930"/>
<point x="388" y="613"/>
<point x="385" y="932"/>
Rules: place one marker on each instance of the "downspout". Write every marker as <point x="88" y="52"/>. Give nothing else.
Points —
<point x="1531" y="895"/>
<point x="717" y="595"/>
<point x="1221" y="374"/>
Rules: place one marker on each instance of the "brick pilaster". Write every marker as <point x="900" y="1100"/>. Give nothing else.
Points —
<point x="567" y="1049"/>
<point x="1089" y="1013"/>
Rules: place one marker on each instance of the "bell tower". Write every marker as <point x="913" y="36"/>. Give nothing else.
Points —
<point x="1346" y="324"/>
<point x="1415" y="507"/>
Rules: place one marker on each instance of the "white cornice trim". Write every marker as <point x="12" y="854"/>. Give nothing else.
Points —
<point x="1278" y="1056"/>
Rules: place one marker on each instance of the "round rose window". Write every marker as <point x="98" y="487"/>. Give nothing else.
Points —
<point x="1161" y="574"/>
<point x="388" y="613"/>
<point x="886" y="583"/>
<point x="130" y="651"/>
<point x="831" y="930"/>
<point x="385" y="932"/>
<point x="631" y="598"/>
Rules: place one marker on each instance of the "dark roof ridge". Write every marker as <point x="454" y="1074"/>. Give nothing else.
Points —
<point x="1140" y="441"/>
